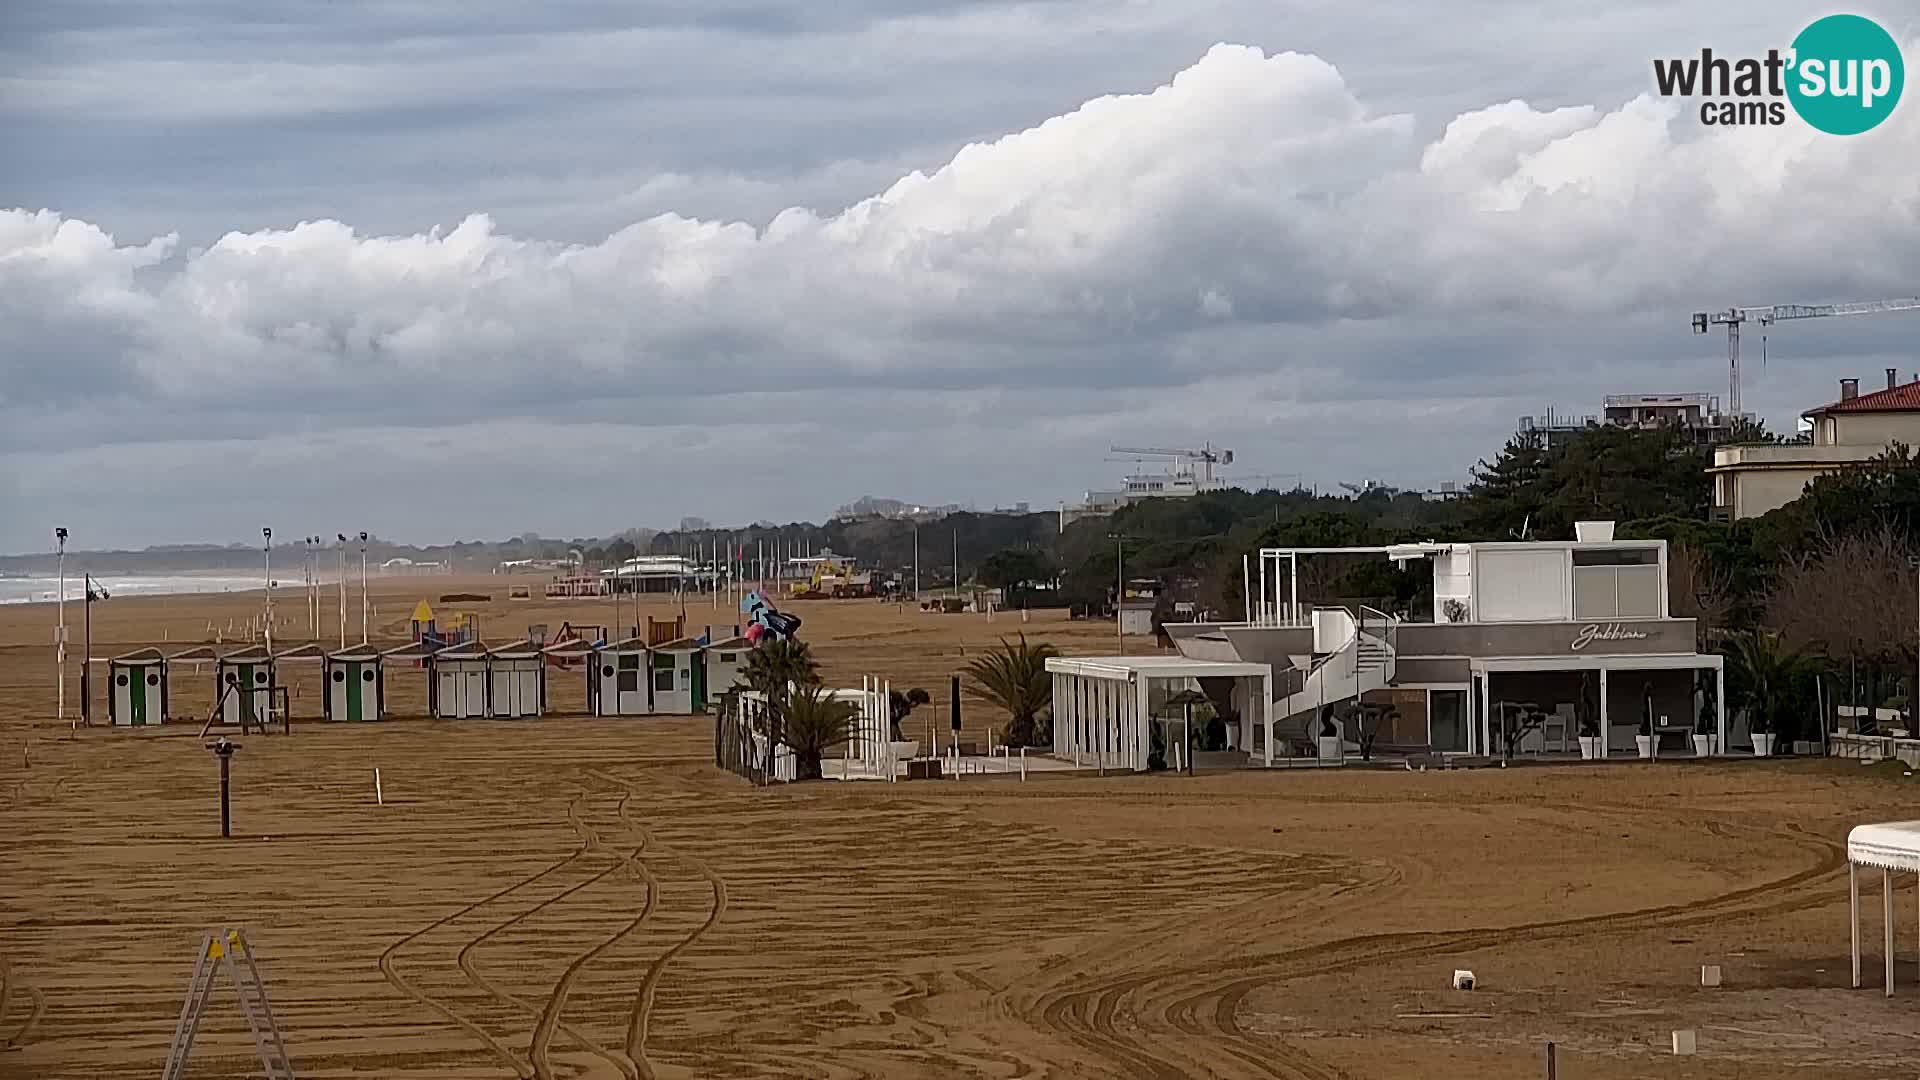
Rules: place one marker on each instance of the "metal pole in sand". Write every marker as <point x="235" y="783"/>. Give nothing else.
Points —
<point x="60" y="634"/>
<point x="224" y="750"/>
<point x="379" y="796"/>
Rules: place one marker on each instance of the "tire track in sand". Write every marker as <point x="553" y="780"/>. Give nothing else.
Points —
<point x="641" y="1015"/>
<point x="548" y="1018"/>
<point x="521" y="1068"/>
<point x="25" y="1035"/>
<point x="1210" y="1016"/>
<point x="464" y="958"/>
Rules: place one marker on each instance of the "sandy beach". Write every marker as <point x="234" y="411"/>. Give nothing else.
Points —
<point x="592" y="898"/>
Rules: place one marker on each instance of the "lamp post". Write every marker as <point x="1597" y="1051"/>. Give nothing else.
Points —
<point x="224" y="751"/>
<point x="342" y="552"/>
<point x="60" y="634"/>
<point x="266" y="536"/>
<point x="364" y="608"/>
<point x="1120" y="586"/>
<point x="86" y="662"/>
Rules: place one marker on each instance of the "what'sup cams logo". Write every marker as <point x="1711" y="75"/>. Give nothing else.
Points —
<point x="1843" y="75"/>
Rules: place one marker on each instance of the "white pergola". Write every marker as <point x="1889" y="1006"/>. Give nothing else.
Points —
<point x="1891" y="846"/>
<point x="1483" y="731"/>
<point x="1102" y="711"/>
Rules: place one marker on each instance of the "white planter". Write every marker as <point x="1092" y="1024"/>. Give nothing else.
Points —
<point x="907" y="750"/>
<point x="1645" y="743"/>
<point x="1332" y="748"/>
<point x="1703" y="746"/>
<point x="1763" y="744"/>
<point x="1589" y="747"/>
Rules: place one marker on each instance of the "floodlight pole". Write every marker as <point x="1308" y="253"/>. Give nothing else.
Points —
<point x="60" y="634"/>
<point x="342" y="551"/>
<point x="363" y="590"/>
<point x="266" y="535"/>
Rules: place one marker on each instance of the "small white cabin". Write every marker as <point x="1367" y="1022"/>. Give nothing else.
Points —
<point x="355" y="684"/>
<point x="725" y="662"/>
<point x="619" y="680"/>
<point x="678" y="677"/>
<point x="249" y="672"/>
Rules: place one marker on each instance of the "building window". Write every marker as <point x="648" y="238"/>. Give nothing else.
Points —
<point x="1615" y="556"/>
<point x="663" y="680"/>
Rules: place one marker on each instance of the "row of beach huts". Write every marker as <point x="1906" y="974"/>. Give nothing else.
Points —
<point x="471" y="679"/>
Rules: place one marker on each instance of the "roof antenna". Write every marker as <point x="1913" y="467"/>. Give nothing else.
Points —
<point x="1526" y="526"/>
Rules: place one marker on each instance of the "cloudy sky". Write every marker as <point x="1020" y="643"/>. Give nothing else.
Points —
<point x="444" y="269"/>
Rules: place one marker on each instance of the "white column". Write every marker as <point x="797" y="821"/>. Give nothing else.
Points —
<point x="1886" y="907"/>
<point x="1263" y="620"/>
<point x="1142" y="721"/>
<point x="1853" y="910"/>
<point x="1720" y="705"/>
<point x="1606" y="728"/>
<point x="1266" y="712"/>
<point x="1485" y="727"/>
<point x="1293" y="590"/>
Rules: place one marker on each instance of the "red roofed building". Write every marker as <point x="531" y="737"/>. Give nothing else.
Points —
<point x="1751" y="479"/>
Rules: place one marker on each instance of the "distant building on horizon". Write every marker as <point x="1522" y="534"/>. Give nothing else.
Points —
<point x="1696" y="415"/>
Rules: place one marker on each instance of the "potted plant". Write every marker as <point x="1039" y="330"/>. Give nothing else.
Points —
<point x="1589" y="737"/>
<point x="1332" y="746"/>
<point x="1771" y="679"/>
<point x="1591" y="747"/>
<point x="1703" y="728"/>
<point x="1643" y="738"/>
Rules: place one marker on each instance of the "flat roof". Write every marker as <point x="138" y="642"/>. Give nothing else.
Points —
<point x="1613" y="662"/>
<point x="1893" y="845"/>
<point x="1154" y="667"/>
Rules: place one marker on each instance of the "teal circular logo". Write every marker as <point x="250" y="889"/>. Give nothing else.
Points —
<point x="1846" y="74"/>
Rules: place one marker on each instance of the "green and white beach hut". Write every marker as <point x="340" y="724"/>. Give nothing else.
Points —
<point x="356" y="684"/>
<point x="138" y="681"/>
<point x="250" y="672"/>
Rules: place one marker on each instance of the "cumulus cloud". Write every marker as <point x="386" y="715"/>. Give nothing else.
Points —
<point x="1248" y="236"/>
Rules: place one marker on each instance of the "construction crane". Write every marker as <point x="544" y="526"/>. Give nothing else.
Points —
<point x="1206" y="456"/>
<point x="1732" y="318"/>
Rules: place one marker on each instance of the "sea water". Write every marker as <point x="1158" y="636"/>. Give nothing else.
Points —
<point x="39" y="589"/>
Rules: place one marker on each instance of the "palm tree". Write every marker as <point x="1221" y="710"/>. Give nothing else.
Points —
<point x="772" y="666"/>
<point x="815" y="723"/>
<point x="775" y="668"/>
<point x="1767" y="678"/>
<point x="1014" y="676"/>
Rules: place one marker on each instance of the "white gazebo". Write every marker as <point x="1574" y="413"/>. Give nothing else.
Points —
<point x="1103" y="706"/>
<point x="1892" y="846"/>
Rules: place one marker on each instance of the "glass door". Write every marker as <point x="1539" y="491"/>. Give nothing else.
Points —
<point x="1447" y="720"/>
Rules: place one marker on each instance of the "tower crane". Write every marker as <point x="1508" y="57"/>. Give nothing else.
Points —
<point x="1732" y="318"/>
<point x="1208" y="456"/>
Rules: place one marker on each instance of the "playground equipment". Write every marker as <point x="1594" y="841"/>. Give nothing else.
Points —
<point x="463" y="627"/>
<point x="227" y="950"/>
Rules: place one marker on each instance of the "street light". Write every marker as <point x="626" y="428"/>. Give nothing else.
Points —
<point x="1120" y="586"/>
<point x="363" y="589"/>
<point x="266" y="536"/>
<point x="342" y="552"/>
<point x="60" y="635"/>
<point x="95" y="591"/>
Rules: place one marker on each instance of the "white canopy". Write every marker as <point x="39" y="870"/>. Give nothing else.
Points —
<point x="1893" y="845"/>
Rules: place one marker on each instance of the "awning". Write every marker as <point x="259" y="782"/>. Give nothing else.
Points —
<point x="1123" y="668"/>
<point x="1613" y="662"/>
<point x="1893" y="845"/>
